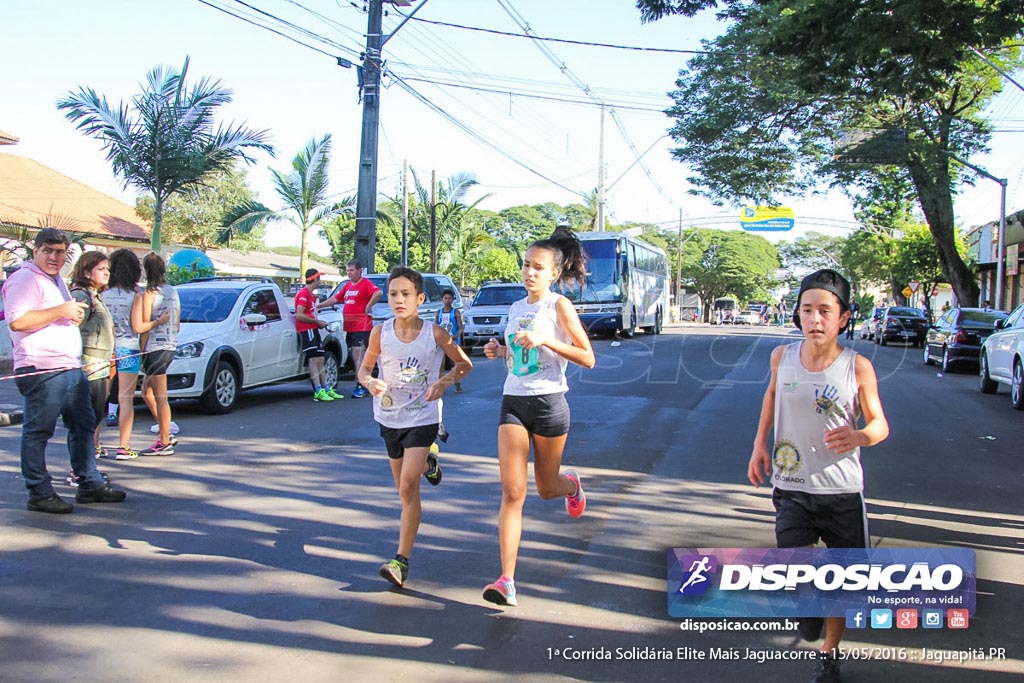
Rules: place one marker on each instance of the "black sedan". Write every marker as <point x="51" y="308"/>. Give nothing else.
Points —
<point x="901" y="324"/>
<point x="957" y="336"/>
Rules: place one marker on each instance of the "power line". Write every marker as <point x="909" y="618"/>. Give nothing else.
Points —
<point x="588" y="103"/>
<point x="518" y="19"/>
<point x="572" y="42"/>
<point x="479" y="137"/>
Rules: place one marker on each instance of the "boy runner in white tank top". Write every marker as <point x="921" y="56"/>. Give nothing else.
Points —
<point x="817" y="394"/>
<point x="407" y="400"/>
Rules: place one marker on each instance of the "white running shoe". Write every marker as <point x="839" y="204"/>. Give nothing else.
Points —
<point x="174" y="428"/>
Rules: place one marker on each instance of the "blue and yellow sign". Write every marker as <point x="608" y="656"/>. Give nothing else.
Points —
<point x="766" y="218"/>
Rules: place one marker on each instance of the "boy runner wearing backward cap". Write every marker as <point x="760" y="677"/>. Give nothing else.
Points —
<point x="817" y="394"/>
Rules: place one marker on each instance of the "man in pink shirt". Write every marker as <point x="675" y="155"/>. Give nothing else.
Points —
<point x="358" y="296"/>
<point x="43" y="321"/>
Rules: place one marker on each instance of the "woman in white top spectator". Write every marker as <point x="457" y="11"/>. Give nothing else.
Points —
<point x="161" y="319"/>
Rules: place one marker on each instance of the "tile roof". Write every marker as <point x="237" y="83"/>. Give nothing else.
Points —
<point x="231" y="262"/>
<point x="30" y="191"/>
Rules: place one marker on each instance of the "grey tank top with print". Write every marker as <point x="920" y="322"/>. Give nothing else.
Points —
<point x="806" y="404"/>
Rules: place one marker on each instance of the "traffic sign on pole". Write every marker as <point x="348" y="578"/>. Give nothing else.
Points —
<point x="914" y="286"/>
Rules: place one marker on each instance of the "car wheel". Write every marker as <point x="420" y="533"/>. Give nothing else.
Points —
<point x="332" y="368"/>
<point x="985" y="383"/>
<point x="222" y="393"/>
<point x="1017" y="386"/>
<point x="927" y="359"/>
<point x="658" y="323"/>
<point x="881" y="340"/>
<point x="947" y="364"/>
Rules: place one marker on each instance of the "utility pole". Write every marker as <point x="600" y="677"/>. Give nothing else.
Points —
<point x="600" y="176"/>
<point x="433" y="221"/>
<point x="366" y="194"/>
<point x="405" y="212"/>
<point x="679" y="270"/>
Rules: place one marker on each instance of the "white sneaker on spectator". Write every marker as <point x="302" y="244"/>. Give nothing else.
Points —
<point x="174" y="428"/>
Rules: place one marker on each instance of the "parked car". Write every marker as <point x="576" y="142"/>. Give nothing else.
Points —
<point x="957" y="336"/>
<point x="434" y="285"/>
<point x="867" y="328"/>
<point x="748" y="318"/>
<point x="1002" y="358"/>
<point x="901" y="324"/>
<point x="235" y="335"/>
<point x="488" y="313"/>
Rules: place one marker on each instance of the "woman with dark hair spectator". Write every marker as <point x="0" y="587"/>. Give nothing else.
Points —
<point x="124" y="301"/>
<point x="161" y="318"/>
<point x="88" y="279"/>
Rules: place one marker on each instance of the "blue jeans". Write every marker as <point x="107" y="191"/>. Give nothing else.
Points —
<point x="65" y="393"/>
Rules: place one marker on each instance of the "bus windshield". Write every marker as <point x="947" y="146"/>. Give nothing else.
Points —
<point x="603" y="277"/>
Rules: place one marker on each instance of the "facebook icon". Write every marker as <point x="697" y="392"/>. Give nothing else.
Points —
<point x="856" y="618"/>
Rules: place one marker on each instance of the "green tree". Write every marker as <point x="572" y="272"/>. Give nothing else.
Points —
<point x="720" y="263"/>
<point x="166" y="139"/>
<point x="195" y="215"/>
<point x="916" y="259"/>
<point x="757" y="114"/>
<point x="303" y="191"/>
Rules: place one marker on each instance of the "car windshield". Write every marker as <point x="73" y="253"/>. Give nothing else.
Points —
<point x="203" y="305"/>
<point x="499" y="296"/>
<point x="906" y="312"/>
<point x="981" y="319"/>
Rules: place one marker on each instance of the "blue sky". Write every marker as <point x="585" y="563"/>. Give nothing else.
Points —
<point x="299" y="93"/>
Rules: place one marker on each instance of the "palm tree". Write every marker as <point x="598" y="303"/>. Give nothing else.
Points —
<point x="165" y="140"/>
<point x="304" y="193"/>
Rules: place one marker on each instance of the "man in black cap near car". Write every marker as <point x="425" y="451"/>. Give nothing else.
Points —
<point x="818" y="394"/>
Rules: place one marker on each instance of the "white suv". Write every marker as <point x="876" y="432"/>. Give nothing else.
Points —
<point x="238" y="334"/>
<point x="1002" y="358"/>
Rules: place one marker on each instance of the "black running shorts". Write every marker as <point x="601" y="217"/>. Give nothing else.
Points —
<point x="311" y="344"/>
<point x="801" y="519"/>
<point x="397" y="440"/>
<point x="357" y="339"/>
<point x="157" y="362"/>
<point x="545" y="415"/>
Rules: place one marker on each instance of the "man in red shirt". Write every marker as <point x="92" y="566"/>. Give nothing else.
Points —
<point x="358" y="296"/>
<point x="308" y="328"/>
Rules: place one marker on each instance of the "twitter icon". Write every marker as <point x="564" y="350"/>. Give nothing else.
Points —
<point x="881" y="618"/>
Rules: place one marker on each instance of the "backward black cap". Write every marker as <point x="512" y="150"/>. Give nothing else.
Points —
<point x="830" y="281"/>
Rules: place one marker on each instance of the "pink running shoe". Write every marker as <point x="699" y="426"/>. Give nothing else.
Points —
<point x="501" y="592"/>
<point x="575" y="504"/>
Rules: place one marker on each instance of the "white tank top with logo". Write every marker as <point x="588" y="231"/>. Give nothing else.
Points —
<point x="806" y="404"/>
<point x="538" y="371"/>
<point x="119" y="303"/>
<point x="164" y="337"/>
<point x="408" y="368"/>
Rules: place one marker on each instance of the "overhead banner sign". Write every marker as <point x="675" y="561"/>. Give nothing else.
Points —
<point x="813" y="582"/>
<point x="767" y="218"/>
<point x="871" y="146"/>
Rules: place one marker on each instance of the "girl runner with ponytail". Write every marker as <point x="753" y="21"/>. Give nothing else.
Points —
<point x="543" y="335"/>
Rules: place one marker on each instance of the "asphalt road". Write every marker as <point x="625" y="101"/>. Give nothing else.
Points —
<point x="253" y="552"/>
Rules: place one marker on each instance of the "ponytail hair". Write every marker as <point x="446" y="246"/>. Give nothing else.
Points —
<point x="570" y="259"/>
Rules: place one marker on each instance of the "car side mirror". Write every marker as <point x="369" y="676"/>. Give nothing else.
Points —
<point x="252" y="319"/>
<point x="998" y="325"/>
